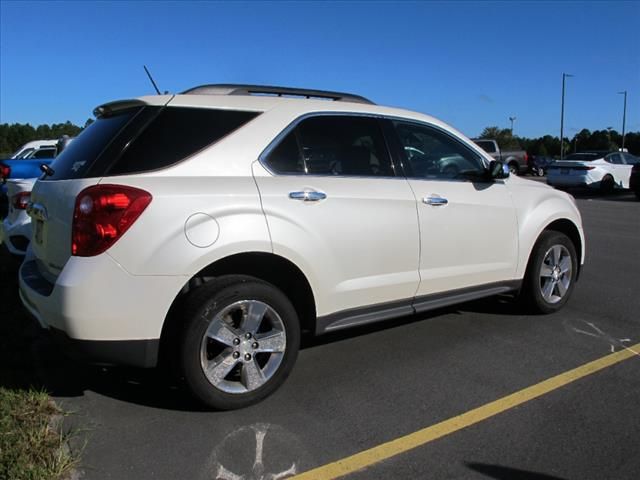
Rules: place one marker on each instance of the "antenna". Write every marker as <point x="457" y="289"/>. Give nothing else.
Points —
<point x="151" y="78"/>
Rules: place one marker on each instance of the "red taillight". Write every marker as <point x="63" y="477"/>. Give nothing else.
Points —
<point x="584" y="167"/>
<point x="5" y="171"/>
<point x="101" y="216"/>
<point x="526" y="157"/>
<point x="21" y="200"/>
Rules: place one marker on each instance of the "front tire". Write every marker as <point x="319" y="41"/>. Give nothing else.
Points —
<point x="551" y="273"/>
<point x="240" y="341"/>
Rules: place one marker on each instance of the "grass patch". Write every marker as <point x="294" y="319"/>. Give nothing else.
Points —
<point x="31" y="446"/>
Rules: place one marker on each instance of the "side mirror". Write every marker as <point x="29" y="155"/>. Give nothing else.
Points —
<point x="497" y="169"/>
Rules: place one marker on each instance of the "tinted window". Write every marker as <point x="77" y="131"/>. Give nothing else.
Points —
<point x="433" y="154"/>
<point x="616" y="159"/>
<point x="587" y="156"/>
<point x="286" y="158"/>
<point x="488" y="147"/>
<point x="630" y="159"/>
<point x="76" y="159"/>
<point x="333" y="145"/>
<point x="44" y="153"/>
<point x="143" y="138"/>
<point x="175" y="134"/>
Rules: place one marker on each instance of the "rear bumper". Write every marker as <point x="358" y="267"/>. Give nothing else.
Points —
<point x="108" y="314"/>
<point x="16" y="235"/>
<point x="569" y="180"/>
<point x="137" y="353"/>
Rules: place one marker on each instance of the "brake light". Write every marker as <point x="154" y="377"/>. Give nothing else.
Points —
<point x="5" y="171"/>
<point x="585" y="167"/>
<point x="526" y="158"/>
<point x="102" y="214"/>
<point x="21" y="200"/>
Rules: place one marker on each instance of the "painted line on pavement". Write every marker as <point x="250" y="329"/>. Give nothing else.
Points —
<point x="421" y="437"/>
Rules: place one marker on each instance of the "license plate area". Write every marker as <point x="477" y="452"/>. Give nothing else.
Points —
<point x="564" y="171"/>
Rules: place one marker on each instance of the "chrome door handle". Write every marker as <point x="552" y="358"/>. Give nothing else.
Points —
<point x="435" y="201"/>
<point x="311" y="196"/>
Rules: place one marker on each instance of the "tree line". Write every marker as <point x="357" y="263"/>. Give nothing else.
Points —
<point x="14" y="135"/>
<point x="583" y="141"/>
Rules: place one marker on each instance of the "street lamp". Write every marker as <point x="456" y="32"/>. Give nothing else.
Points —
<point x="564" y="75"/>
<point x="512" y="119"/>
<point x="624" y="115"/>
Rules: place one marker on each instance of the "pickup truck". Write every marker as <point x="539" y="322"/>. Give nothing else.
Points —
<point x="517" y="160"/>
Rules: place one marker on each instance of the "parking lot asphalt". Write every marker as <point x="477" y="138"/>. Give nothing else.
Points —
<point x="356" y="390"/>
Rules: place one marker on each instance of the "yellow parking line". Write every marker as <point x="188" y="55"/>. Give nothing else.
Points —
<point x="403" y="444"/>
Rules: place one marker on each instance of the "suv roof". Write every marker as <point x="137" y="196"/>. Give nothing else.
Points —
<point x="239" y="89"/>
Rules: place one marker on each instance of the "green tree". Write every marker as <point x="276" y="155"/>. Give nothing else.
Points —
<point x="506" y="141"/>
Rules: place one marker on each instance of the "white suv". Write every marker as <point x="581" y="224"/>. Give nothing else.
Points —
<point x="209" y="228"/>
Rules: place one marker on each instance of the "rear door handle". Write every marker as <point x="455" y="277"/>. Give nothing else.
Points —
<point x="435" y="201"/>
<point x="308" y="196"/>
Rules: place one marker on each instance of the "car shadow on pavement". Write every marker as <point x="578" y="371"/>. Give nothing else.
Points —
<point x="506" y="473"/>
<point x="29" y="359"/>
<point x="615" y="196"/>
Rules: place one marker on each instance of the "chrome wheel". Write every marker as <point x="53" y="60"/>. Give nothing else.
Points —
<point x="243" y="346"/>
<point x="555" y="273"/>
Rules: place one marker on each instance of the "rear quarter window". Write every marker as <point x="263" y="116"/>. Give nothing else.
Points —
<point x="175" y="134"/>
<point x="143" y="139"/>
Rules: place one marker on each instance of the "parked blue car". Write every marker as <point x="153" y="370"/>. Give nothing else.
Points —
<point x="26" y="166"/>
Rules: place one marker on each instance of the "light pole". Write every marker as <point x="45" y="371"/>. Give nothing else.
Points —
<point x="512" y="119"/>
<point x="564" y="75"/>
<point x="624" y="115"/>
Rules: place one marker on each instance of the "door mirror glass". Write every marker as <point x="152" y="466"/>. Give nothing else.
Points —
<point x="497" y="169"/>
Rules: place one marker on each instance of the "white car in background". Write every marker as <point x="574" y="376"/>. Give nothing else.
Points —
<point x="606" y="171"/>
<point x="15" y="229"/>
<point x="31" y="149"/>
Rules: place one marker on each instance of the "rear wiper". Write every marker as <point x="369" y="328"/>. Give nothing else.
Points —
<point x="47" y="170"/>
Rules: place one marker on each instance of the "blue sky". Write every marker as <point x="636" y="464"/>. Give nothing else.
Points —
<point x="471" y="64"/>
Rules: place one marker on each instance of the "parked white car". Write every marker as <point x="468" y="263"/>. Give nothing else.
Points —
<point x="46" y="149"/>
<point x="209" y="228"/>
<point x="15" y="229"/>
<point x="605" y="171"/>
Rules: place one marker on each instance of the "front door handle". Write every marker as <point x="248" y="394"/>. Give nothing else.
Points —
<point x="308" y="196"/>
<point x="435" y="201"/>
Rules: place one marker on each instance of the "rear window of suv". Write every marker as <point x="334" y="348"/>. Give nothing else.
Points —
<point x="142" y="139"/>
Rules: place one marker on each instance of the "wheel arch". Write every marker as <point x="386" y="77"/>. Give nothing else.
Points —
<point x="567" y="227"/>
<point x="269" y="267"/>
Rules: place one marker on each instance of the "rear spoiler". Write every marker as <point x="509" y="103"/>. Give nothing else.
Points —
<point x="108" y="108"/>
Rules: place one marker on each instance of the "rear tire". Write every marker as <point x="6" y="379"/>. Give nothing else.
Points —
<point x="240" y="341"/>
<point x="607" y="184"/>
<point x="514" y="168"/>
<point x="551" y="273"/>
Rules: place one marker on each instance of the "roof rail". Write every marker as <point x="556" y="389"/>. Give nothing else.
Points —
<point x="231" y="89"/>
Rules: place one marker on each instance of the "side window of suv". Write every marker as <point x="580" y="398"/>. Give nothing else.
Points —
<point x="333" y="145"/>
<point x="432" y="154"/>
